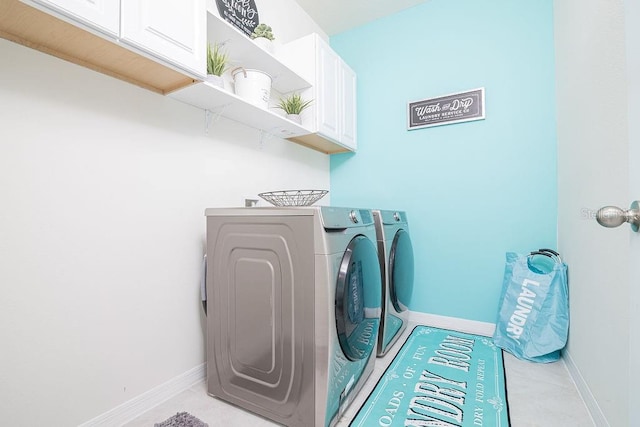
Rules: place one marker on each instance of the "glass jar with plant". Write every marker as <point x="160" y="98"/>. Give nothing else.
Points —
<point x="263" y="36"/>
<point x="293" y="105"/>
<point x="217" y="64"/>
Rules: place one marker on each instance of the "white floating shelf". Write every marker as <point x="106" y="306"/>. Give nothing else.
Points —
<point x="243" y="52"/>
<point x="209" y="97"/>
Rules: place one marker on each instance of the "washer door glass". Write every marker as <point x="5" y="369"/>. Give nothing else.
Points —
<point x="401" y="271"/>
<point x="358" y="295"/>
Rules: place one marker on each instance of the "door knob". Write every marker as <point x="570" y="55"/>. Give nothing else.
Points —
<point x="613" y="216"/>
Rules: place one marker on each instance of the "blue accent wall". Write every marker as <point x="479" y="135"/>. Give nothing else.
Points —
<point x="472" y="190"/>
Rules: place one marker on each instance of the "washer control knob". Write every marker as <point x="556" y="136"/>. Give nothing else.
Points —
<point x="353" y="216"/>
<point x="396" y="216"/>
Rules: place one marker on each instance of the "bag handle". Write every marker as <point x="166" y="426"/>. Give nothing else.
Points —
<point x="535" y="269"/>
<point x="542" y="253"/>
<point x="551" y="251"/>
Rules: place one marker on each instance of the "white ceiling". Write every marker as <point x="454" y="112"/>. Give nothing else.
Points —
<point x="336" y="16"/>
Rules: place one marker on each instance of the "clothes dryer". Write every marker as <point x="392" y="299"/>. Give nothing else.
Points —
<point x="395" y="254"/>
<point x="293" y="310"/>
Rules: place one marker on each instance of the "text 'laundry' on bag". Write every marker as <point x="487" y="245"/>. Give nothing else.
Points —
<point x="533" y="315"/>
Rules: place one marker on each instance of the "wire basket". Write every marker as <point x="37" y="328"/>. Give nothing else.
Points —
<point x="293" y="197"/>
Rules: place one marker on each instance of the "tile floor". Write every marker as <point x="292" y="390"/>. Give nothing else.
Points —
<point x="539" y="395"/>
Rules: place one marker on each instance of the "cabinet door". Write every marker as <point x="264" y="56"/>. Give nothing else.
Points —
<point x="327" y="92"/>
<point x="101" y="15"/>
<point x="171" y="30"/>
<point x="348" y="98"/>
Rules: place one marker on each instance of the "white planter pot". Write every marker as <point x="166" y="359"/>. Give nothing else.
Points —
<point x="215" y="80"/>
<point x="254" y="86"/>
<point x="295" y="118"/>
<point x="264" y="43"/>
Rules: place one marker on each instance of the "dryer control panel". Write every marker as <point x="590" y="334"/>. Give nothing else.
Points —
<point x="393" y="217"/>
<point x="341" y="218"/>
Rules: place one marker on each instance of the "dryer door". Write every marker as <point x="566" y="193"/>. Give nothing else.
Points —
<point x="358" y="295"/>
<point x="401" y="271"/>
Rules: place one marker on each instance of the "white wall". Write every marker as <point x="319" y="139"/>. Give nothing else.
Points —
<point x="286" y="18"/>
<point x="289" y="25"/>
<point x="593" y="172"/>
<point x="103" y="188"/>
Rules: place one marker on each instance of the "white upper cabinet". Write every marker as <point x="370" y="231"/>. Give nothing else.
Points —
<point x="332" y="115"/>
<point x="100" y="15"/>
<point x="169" y="29"/>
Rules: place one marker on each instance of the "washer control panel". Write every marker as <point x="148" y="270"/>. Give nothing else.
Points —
<point x="340" y="218"/>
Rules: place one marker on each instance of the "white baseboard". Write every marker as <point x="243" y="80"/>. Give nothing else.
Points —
<point x="454" y="323"/>
<point x="597" y="415"/>
<point x="150" y="399"/>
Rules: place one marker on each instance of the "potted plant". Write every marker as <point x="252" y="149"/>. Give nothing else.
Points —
<point x="293" y="105"/>
<point x="263" y="36"/>
<point x="217" y="64"/>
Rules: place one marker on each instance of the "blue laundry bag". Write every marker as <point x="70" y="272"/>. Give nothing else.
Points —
<point x="533" y="316"/>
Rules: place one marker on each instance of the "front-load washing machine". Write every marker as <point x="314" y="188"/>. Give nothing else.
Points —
<point x="293" y="303"/>
<point x="395" y="254"/>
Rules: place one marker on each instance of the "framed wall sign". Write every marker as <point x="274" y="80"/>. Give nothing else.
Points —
<point x="242" y="14"/>
<point x="448" y="109"/>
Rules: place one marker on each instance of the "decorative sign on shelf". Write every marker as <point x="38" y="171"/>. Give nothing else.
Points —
<point x="454" y="108"/>
<point x="242" y="14"/>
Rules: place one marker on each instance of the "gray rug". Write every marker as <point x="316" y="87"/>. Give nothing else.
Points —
<point x="182" y="419"/>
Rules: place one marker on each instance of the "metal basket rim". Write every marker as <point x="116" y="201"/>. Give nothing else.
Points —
<point x="293" y="197"/>
<point x="292" y="192"/>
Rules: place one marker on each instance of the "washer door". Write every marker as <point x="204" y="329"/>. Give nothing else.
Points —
<point x="358" y="295"/>
<point x="401" y="271"/>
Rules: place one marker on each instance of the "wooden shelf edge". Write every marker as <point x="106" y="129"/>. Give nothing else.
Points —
<point x="319" y="143"/>
<point x="32" y="28"/>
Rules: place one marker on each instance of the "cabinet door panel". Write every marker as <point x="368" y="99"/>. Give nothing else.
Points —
<point x="101" y="15"/>
<point x="328" y="81"/>
<point x="332" y="116"/>
<point x="175" y="31"/>
<point x="349" y="124"/>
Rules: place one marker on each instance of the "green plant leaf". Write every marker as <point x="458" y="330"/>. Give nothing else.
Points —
<point x="217" y="60"/>
<point x="293" y="104"/>
<point x="263" y="30"/>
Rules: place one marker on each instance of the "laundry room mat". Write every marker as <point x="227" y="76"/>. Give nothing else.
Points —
<point x="440" y="378"/>
<point x="182" y="419"/>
